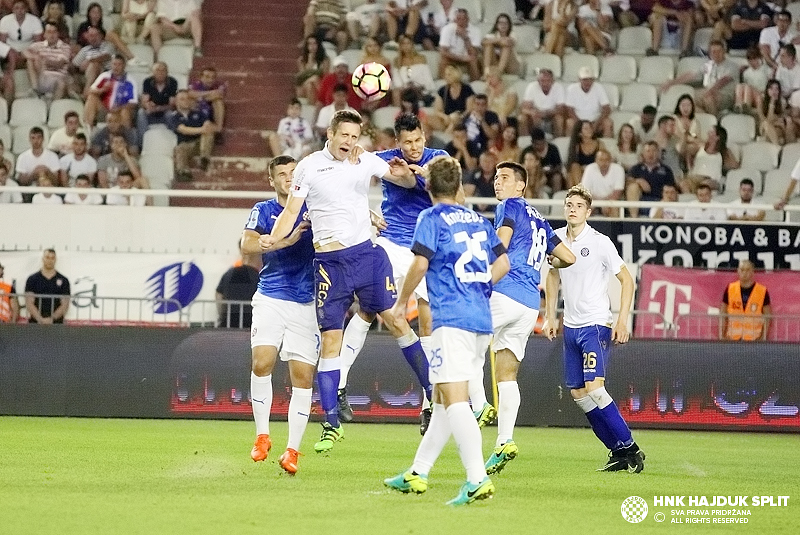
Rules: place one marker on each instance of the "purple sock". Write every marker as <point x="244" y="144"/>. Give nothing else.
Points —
<point x="328" y="384"/>
<point x="616" y="424"/>
<point x="415" y="356"/>
<point x="601" y="429"/>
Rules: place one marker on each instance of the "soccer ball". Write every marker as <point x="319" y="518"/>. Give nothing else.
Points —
<point x="371" y="81"/>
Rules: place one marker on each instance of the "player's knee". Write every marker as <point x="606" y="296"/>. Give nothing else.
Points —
<point x="578" y="393"/>
<point x="601" y="397"/>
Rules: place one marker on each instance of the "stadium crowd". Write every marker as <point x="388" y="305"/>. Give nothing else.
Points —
<point x="574" y="91"/>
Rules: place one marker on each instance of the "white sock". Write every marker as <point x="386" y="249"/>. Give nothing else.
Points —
<point x="508" y="392"/>
<point x="299" y="409"/>
<point x="425" y="341"/>
<point x="261" y="396"/>
<point x="433" y="442"/>
<point x="467" y="435"/>
<point x="477" y="394"/>
<point x="352" y="341"/>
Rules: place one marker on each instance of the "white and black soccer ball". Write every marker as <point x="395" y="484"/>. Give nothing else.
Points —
<point x="371" y="81"/>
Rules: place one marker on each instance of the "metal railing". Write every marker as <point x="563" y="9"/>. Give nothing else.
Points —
<point x="698" y="326"/>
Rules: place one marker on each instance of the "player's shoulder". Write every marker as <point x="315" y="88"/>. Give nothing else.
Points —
<point x="429" y="154"/>
<point x="388" y="154"/>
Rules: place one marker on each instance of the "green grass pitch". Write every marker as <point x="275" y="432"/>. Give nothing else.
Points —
<point x="85" y="476"/>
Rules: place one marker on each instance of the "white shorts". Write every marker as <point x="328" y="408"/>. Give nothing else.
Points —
<point x="513" y="324"/>
<point x="456" y="355"/>
<point x="401" y="258"/>
<point x="289" y="326"/>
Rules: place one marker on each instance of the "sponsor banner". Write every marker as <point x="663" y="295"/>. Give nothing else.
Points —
<point x="689" y="301"/>
<point x="769" y="246"/>
<point x="129" y="287"/>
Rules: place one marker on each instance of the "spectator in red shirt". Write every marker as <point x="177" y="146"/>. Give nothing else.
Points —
<point x="341" y="75"/>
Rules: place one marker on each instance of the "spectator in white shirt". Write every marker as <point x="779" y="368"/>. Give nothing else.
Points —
<point x="788" y="73"/>
<point x="125" y="181"/>
<point x="19" y="29"/>
<point x="48" y="63"/>
<point x="7" y="197"/>
<point x="543" y="105"/>
<point x="434" y="20"/>
<point x="326" y="113"/>
<point x="294" y="136"/>
<point x="699" y="213"/>
<point x="36" y="156"/>
<point x="669" y="193"/>
<point x="177" y="18"/>
<point x="46" y="180"/>
<point x="61" y="139"/>
<point x="774" y="37"/>
<point x="460" y="45"/>
<point x="587" y="101"/>
<point x="605" y="180"/>
<point x="77" y="163"/>
<point x="82" y="181"/>
<point x="739" y="210"/>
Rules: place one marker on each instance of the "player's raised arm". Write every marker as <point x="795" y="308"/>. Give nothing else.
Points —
<point x="284" y="223"/>
<point x="400" y="173"/>
<point x="551" y="292"/>
<point x="620" y="333"/>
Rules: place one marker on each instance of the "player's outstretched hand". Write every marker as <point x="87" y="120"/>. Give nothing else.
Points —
<point x="355" y="154"/>
<point x="550" y="329"/>
<point x="298" y="231"/>
<point x="419" y="170"/>
<point x="398" y="311"/>
<point x="266" y="242"/>
<point x="620" y="334"/>
<point x="377" y="221"/>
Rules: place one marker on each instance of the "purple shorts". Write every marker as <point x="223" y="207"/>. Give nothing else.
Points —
<point x="362" y="270"/>
<point x="586" y="352"/>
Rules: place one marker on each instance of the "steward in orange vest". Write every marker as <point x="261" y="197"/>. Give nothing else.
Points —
<point x="745" y="304"/>
<point x="9" y="306"/>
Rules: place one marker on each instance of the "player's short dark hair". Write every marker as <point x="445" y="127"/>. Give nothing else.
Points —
<point x="519" y="171"/>
<point x="344" y="116"/>
<point x="295" y="102"/>
<point x="49" y="250"/>
<point x="537" y="134"/>
<point x="703" y="185"/>
<point x="84" y="176"/>
<point x="71" y="113"/>
<point x="664" y="118"/>
<point x="36" y="130"/>
<point x="120" y="57"/>
<point x="338" y="88"/>
<point x="406" y="122"/>
<point x="482" y="96"/>
<point x="80" y="136"/>
<point x="783" y="13"/>
<point x="444" y="174"/>
<point x="125" y="172"/>
<point x="747" y="182"/>
<point x="649" y="110"/>
<point x="279" y="160"/>
<point x="579" y="190"/>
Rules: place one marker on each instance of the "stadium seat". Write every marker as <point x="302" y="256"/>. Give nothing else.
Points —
<point x="144" y="53"/>
<point x="634" y="40"/>
<point x="794" y="9"/>
<point x="542" y="60"/>
<point x="523" y="141"/>
<point x="434" y="59"/>
<point x="734" y="176"/>
<point x="706" y="122"/>
<point x="493" y="8"/>
<point x="3" y="111"/>
<point x="775" y="183"/>
<point x="22" y="83"/>
<point x="384" y="117"/>
<point x="790" y="155"/>
<point x="618" y="69"/>
<point x="770" y="215"/>
<point x="138" y="77"/>
<point x="178" y="58"/>
<point x="741" y="128"/>
<point x="621" y="117"/>
<point x="686" y="197"/>
<point x="520" y="86"/>
<point x="478" y="86"/>
<point x="573" y="62"/>
<point x="669" y="98"/>
<point x="20" y="141"/>
<point x="761" y="155"/>
<point x="182" y="79"/>
<point x="160" y="171"/>
<point x="702" y="38"/>
<point x="59" y="107"/>
<point x="562" y="144"/>
<point x="690" y="64"/>
<point x="353" y="58"/>
<point x="613" y="94"/>
<point x="159" y="141"/>
<point x="528" y="38"/>
<point x="28" y="111"/>
<point x="636" y="96"/>
<point x="309" y="113"/>
<point x="656" y="70"/>
<point x="5" y="136"/>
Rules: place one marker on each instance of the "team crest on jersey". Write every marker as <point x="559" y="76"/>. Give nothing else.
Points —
<point x="306" y="217"/>
<point x="585" y="251"/>
<point x="253" y="332"/>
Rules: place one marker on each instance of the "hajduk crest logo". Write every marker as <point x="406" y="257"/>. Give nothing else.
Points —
<point x="634" y="509"/>
<point x="178" y="284"/>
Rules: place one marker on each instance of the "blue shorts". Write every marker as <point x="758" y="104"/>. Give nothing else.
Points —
<point x="586" y="352"/>
<point x="362" y="270"/>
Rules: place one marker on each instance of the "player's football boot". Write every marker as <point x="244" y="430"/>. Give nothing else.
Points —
<point x="425" y="420"/>
<point x="261" y="448"/>
<point x="617" y="460"/>
<point x="500" y="457"/>
<point x="486" y="416"/>
<point x="288" y="460"/>
<point x="330" y="435"/>
<point x="345" y="410"/>
<point x="635" y="458"/>
<point x="408" y="482"/>
<point x="469" y="492"/>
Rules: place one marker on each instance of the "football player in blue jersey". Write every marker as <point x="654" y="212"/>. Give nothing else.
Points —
<point x="460" y="255"/>
<point x="400" y="208"/>
<point x="283" y="315"/>
<point x="515" y="299"/>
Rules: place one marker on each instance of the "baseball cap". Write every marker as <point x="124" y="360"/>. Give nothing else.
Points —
<point x="339" y="60"/>
<point x="585" y="72"/>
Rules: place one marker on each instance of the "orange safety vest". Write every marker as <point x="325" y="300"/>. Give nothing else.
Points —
<point x="745" y="321"/>
<point x="5" y="302"/>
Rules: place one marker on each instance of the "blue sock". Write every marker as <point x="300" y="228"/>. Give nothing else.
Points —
<point x="415" y="356"/>
<point x="601" y="428"/>
<point x="616" y="424"/>
<point x="328" y="375"/>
